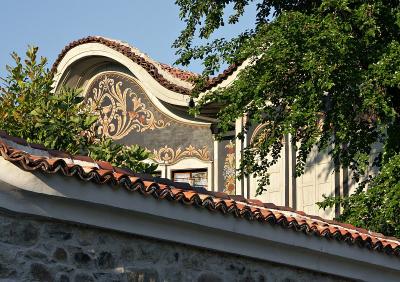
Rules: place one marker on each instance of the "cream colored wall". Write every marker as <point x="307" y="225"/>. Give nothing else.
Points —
<point x="276" y="191"/>
<point x="318" y="179"/>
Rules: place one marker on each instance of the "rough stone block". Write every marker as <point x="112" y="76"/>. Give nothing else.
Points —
<point x="142" y="275"/>
<point x="40" y="272"/>
<point x="60" y="254"/>
<point x="83" y="277"/>
<point x="105" y="260"/>
<point x="19" y="233"/>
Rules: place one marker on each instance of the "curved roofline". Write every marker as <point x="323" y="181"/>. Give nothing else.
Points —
<point x="173" y="79"/>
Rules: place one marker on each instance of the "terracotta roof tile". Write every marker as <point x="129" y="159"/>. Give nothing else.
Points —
<point x="105" y="165"/>
<point x="128" y="52"/>
<point x="178" y="73"/>
<point x="221" y="77"/>
<point x="150" y="66"/>
<point x="255" y="202"/>
<point x="238" y="206"/>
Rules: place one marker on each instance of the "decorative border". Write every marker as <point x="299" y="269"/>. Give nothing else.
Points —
<point x="229" y="171"/>
<point x="167" y="155"/>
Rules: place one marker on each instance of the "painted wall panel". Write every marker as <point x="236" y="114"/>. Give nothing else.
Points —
<point x="227" y="166"/>
<point x="128" y="115"/>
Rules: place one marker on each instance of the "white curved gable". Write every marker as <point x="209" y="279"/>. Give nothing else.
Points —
<point x="149" y="83"/>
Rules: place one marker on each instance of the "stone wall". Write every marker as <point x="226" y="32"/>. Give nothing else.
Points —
<point x="37" y="249"/>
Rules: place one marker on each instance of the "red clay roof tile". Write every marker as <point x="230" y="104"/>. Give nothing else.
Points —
<point x="149" y="66"/>
<point x="178" y="73"/>
<point x="218" y="202"/>
<point x="105" y="165"/>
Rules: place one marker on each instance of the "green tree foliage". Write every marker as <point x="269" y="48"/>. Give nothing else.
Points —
<point x="121" y="156"/>
<point x="29" y="109"/>
<point x="326" y="73"/>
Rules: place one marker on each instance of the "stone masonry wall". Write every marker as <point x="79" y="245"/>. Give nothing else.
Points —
<point x="36" y="249"/>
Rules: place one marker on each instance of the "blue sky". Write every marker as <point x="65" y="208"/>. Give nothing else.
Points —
<point x="150" y="25"/>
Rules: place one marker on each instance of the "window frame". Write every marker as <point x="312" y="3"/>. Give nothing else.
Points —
<point x="191" y="171"/>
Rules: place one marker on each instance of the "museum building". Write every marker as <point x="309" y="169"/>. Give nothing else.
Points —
<point x="67" y="217"/>
<point x="145" y="102"/>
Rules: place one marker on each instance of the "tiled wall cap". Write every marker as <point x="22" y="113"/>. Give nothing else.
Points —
<point x="236" y="206"/>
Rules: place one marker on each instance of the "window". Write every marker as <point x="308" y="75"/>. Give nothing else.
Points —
<point x="196" y="178"/>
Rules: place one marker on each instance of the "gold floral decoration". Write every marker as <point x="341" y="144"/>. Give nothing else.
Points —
<point x="229" y="171"/>
<point x="121" y="110"/>
<point x="258" y="134"/>
<point x="169" y="155"/>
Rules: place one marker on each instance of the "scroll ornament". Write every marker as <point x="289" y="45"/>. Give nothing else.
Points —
<point x="169" y="155"/>
<point x="121" y="111"/>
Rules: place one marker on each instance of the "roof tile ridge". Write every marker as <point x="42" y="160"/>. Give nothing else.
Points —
<point x="177" y="72"/>
<point x="178" y="68"/>
<point x="146" y="56"/>
<point x="338" y="225"/>
<point x="240" y="208"/>
<point x="213" y="81"/>
<point x="332" y="223"/>
<point x="171" y="82"/>
<point x="176" y="84"/>
<point x="40" y="151"/>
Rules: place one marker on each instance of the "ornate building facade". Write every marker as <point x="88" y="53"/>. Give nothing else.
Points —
<point x="141" y="101"/>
